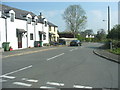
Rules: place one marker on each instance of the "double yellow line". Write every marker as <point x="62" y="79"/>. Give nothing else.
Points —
<point x="29" y="52"/>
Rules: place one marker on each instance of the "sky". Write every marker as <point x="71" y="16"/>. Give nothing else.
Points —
<point x="96" y="12"/>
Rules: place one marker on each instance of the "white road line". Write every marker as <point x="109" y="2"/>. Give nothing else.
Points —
<point x="54" y="83"/>
<point x="45" y="87"/>
<point x="9" y="77"/>
<point x="1" y="80"/>
<point x="29" y="80"/>
<point x="87" y="87"/>
<point x="22" y="84"/>
<point x="55" y="56"/>
<point x="79" y="86"/>
<point x="74" y="49"/>
<point x="71" y="49"/>
<point x="17" y="70"/>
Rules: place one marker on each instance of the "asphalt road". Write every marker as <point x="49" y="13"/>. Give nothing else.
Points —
<point x="63" y="67"/>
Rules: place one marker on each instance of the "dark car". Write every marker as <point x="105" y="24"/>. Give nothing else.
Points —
<point x="54" y="43"/>
<point x="75" y="43"/>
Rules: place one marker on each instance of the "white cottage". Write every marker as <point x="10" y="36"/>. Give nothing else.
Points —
<point x="22" y="28"/>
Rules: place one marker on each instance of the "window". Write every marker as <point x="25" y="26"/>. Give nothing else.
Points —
<point x="36" y="21"/>
<point x="44" y="37"/>
<point x="29" y="20"/>
<point x="31" y="36"/>
<point x="49" y="28"/>
<point x="45" y="24"/>
<point x="12" y="17"/>
<point x="54" y="29"/>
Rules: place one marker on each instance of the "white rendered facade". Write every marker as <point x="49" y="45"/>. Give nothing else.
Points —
<point x="19" y="32"/>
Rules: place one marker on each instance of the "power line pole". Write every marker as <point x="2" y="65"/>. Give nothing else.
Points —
<point x="108" y="19"/>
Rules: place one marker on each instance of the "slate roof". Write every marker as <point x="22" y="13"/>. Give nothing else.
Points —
<point x="19" y="14"/>
<point x="51" y="24"/>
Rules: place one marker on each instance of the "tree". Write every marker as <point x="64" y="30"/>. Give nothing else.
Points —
<point x="75" y="18"/>
<point x="114" y="33"/>
<point x="101" y="35"/>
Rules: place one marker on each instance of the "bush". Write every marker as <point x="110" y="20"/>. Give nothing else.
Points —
<point x="115" y="44"/>
<point x="115" y="51"/>
<point x="46" y="44"/>
<point x="118" y="44"/>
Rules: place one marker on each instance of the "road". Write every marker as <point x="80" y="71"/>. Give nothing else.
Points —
<point x="62" y="67"/>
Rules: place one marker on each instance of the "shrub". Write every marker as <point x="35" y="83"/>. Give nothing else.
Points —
<point x="46" y="44"/>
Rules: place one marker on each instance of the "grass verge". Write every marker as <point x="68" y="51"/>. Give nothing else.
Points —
<point x="115" y="51"/>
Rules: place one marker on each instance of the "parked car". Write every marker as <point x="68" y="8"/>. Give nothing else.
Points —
<point x="54" y="43"/>
<point x="62" y="42"/>
<point x="75" y="43"/>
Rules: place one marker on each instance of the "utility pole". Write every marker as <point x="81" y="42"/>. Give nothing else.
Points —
<point x="108" y="19"/>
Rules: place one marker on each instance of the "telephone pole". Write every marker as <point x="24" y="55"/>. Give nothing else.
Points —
<point x="108" y="19"/>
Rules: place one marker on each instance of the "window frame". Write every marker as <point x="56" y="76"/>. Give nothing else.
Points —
<point x="31" y="36"/>
<point x="29" y="20"/>
<point x="44" y="37"/>
<point x="36" y="21"/>
<point x="12" y="15"/>
<point x="49" y="28"/>
<point x="45" y="23"/>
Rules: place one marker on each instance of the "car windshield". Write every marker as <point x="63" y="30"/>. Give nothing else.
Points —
<point x="75" y="41"/>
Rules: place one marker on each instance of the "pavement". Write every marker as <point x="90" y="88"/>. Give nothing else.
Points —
<point x="107" y="55"/>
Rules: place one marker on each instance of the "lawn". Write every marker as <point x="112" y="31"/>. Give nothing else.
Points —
<point x="115" y="51"/>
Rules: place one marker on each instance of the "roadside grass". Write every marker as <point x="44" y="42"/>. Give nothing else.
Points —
<point x="115" y="51"/>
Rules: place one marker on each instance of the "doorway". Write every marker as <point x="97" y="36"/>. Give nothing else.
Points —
<point x="20" y="40"/>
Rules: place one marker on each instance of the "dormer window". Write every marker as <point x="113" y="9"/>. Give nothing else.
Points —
<point x="45" y="24"/>
<point x="12" y="17"/>
<point x="36" y="21"/>
<point x="29" y="20"/>
<point x="0" y="13"/>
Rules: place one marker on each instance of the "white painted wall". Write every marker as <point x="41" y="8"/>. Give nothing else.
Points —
<point x="31" y="30"/>
<point x="21" y="24"/>
<point x="11" y="33"/>
<point x="46" y="30"/>
<point x="2" y="31"/>
<point x="38" y="28"/>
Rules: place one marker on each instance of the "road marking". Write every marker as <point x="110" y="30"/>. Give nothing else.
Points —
<point x="55" y="56"/>
<point x="1" y="80"/>
<point x="22" y="84"/>
<point x="71" y="49"/>
<point x="54" y="83"/>
<point x="74" y="49"/>
<point x="9" y="77"/>
<point x="45" y="87"/>
<point x="79" y="86"/>
<point x="29" y="80"/>
<point x="17" y="70"/>
<point x="87" y="87"/>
